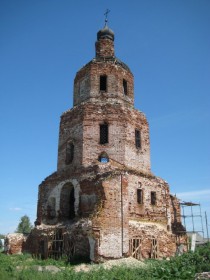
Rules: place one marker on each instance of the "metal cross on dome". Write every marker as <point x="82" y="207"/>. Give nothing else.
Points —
<point x="106" y="15"/>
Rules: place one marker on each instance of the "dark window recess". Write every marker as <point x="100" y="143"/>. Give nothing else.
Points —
<point x="153" y="198"/>
<point x="103" y="83"/>
<point x="69" y="153"/>
<point x="103" y="133"/>
<point x="138" y="138"/>
<point x="140" y="196"/>
<point x="125" y="87"/>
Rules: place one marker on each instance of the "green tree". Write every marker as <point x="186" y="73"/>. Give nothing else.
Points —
<point x="24" y="225"/>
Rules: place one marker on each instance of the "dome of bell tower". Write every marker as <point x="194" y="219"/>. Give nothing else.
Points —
<point x="105" y="78"/>
<point x="105" y="42"/>
<point x="105" y="33"/>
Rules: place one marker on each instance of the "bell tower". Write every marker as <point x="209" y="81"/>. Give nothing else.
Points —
<point x="103" y="120"/>
<point x="103" y="198"/>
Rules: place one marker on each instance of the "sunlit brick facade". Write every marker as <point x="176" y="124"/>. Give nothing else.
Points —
<point x="103" y="201"/>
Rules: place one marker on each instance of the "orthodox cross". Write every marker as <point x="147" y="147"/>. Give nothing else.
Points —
<point x="106" y="15"/>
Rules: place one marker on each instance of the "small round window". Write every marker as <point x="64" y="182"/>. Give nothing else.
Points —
<point x="103" y="158"/>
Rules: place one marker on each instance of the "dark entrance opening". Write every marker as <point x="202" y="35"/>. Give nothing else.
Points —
<point x="71" y="207"/>
<point x="67" y="202"/>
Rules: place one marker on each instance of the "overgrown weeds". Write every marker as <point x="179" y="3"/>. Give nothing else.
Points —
<point x="21" y="267"/>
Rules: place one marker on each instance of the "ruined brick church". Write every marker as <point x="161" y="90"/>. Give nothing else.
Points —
<point x="103" y="202"/>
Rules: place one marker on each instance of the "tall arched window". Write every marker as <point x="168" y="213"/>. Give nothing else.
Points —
<point x="153" y="198"/>
<point x="69" y="153"/>
<point x="138" y="138"/>
<point x="125" y="87"/>
<point x="140" y="196"/>
<point x="103" y="83"/>
<point x="104" y="138"/>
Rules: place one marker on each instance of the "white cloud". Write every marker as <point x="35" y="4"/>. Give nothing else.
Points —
<point x="15" y="209"/>
<point x="196" y="195"/>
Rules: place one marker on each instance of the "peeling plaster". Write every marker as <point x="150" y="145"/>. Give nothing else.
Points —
<point x="57" y="191"/>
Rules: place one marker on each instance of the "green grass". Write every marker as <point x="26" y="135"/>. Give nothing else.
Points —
<point x="182" y="267"/>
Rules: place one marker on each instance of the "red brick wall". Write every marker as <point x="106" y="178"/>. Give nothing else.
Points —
<point x="104" y="48"/>
<point x="87" y="82"/>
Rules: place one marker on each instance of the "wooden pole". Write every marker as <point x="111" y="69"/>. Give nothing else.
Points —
<point x="207" y="226"/>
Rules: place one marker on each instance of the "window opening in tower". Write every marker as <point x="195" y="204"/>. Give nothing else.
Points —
<point x="153" y="198"/>
<point x="103" y="133"/>
<point x="139" y="196"/>
<point x="103" y="83"/>
<point x="138" y="138"/>
<point x="125" y="87"/>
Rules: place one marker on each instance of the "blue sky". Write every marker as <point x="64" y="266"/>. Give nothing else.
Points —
<point x="43" y="44"/>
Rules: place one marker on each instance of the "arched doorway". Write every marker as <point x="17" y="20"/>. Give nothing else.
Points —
<point x="67" y="202"/>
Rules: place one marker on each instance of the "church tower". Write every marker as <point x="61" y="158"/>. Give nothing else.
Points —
<point x="103" y="124"/>
<point x="103" y="201"/>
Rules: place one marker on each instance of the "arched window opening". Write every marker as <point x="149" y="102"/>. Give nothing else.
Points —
<point x="138" y="138"/>
<point x="153" y="198"/>
<point x="103" y="83"/>
<point x="103" y="133"/>
<point x="69" y="153"/>
<point x="67" y="202"/>
<point x="140" y="196"/>
<point x="125" y="87"/>
<point x="103" y="158"/>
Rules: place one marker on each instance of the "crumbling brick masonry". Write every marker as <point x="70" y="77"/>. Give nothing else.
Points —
<point x="103" y="202"/>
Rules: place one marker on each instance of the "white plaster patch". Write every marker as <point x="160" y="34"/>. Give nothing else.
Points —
<point x="111" y="245"/>
<point x="143" y="224"/>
